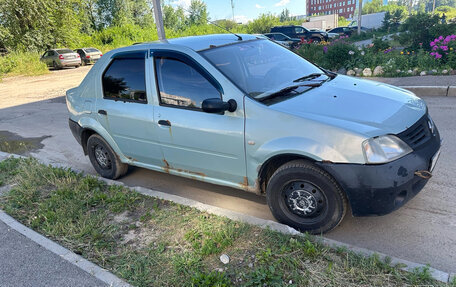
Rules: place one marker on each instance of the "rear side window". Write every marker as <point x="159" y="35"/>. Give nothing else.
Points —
<point x="124" y="80"/>
<point x="181" y="85"/>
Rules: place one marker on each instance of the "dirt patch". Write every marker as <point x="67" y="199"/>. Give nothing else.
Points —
<point x="14" y="143"/>
<point x="21" y="90"/>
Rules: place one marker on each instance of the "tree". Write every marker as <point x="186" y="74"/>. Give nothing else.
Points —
<point x="285" y="16"/>
<point x="263" y="24"/>
<point x="141" y="13"/>
<point x="197" y="13"/>
<point x="38" y="24"/>
<point x="372" y="7"/>
<point x="174" y="18"/>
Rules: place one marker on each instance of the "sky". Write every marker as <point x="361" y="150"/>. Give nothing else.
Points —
<point x="245" y="10"/>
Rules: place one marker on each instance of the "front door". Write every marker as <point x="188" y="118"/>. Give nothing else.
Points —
<point x="193" y="141"/>
<point x="125" y="111"/>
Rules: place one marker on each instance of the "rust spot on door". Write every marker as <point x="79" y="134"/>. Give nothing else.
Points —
<point x="166" y="167"/>
<point x="191" y="172"/>
<point x="244" y="183"/>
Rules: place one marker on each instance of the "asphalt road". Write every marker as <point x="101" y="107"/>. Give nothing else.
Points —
<point x="25" y="263"/>
<point x="423" y="231"/>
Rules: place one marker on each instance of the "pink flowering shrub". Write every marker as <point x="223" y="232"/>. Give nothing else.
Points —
<point x="443" y="47"/>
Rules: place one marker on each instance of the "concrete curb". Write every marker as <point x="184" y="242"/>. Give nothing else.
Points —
<point x="430" y="91"/>
<point x="89" y="267"/>
<point x="405" y="265"/>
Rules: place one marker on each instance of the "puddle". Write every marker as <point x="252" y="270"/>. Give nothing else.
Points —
<point x="14" y="143"/>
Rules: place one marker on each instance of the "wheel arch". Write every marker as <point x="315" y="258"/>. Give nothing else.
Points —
<point x="268" y="168"/>
<point x="89" y="127"/>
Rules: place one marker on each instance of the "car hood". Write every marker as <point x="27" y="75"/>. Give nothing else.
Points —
<point x="361" y="106"/>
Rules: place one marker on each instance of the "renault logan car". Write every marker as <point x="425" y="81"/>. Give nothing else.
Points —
<point x="245" y="112"/>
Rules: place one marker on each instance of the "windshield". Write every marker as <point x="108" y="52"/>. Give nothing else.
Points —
<point x="259" y="66"/>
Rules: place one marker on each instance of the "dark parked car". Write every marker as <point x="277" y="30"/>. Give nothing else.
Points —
<point x="89" y="55"/>
<point x="342" y="31"/>
<point x="284" y="39"/>
<point x="363" y="29"/>
<point x="293" y="31"/>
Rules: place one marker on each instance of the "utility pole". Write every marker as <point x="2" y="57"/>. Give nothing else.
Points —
<point x="159" y="20"/>
<point x="360" y="11"/>
<point x="232" y="8"/>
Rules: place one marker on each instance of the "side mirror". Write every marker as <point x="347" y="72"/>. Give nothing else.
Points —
<point x="217" y="106"/>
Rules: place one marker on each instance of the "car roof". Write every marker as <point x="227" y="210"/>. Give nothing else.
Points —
<point x="203" y="42"/>
<point x="286" y="26"/>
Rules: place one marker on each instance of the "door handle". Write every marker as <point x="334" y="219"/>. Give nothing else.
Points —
<point x="102" y="112"/>
<point x="164" y="123"/>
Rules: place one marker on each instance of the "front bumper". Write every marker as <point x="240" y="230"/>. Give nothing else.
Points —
<point x="383" y="188"/>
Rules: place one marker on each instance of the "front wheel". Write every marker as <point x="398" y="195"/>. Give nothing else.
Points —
<point x="306" y="197"/>
<point x="103" y="158"/>
<point x="55" y="66"/>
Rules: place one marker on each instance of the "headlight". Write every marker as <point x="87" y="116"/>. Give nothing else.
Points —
<point x="384" y="149"/>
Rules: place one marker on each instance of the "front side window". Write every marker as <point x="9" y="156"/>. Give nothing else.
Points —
<point x="125" y="80"/>
<point x="181" y="85"/>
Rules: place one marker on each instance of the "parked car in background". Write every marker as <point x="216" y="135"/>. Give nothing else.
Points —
<point x="294" y="31"/>
<point x="284" y="40"/>
<point x="330" y="35"/>
<point x="59" y="58"/>
<point x="363" y="29"/>
<point x="241" y="111"/>
<point x="89" y="55"/>
<point x="341" y="31"/>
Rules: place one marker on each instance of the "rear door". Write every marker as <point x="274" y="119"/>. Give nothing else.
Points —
<point x="195" y="142"/>
<point x="125" y="110"/>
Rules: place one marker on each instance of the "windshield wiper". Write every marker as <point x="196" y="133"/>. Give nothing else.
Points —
<point x="309" y="77"/>
<point x="286" y="91"/>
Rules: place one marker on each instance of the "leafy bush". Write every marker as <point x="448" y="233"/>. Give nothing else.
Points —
<point x="334" y="55"/>
<point x="420" y="29"/>
<point x="22" y="63"/>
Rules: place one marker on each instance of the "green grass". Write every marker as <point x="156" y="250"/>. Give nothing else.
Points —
<point x="22" y="63"/>
<point x="152" y="242"/>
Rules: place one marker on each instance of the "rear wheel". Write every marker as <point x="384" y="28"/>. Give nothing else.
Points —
<point x="306" y="197"/>
<point x="103" y="158"/>
<point x="316" y="40"/>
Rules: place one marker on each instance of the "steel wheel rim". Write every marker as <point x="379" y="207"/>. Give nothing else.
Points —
<point x="102" y="157"/>
<point x="304" y="200"/>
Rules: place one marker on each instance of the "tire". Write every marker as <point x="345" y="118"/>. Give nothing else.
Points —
<point x="77" y="66"/>
<point x="306" y="197"/>
<point x="316" y="40"/>
<point x="104" y="159"/>
<point x="55" y="66"/>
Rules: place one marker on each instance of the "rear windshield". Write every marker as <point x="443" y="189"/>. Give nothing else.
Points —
<point x="91" y="50"/>
<point x="64" y="51"/>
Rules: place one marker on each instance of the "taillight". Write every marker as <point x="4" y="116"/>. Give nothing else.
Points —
<point x="78" y="56"/>
<point x="88" y="56"/>
<point x="101" y="55"/>
<point x="61" y="57"/>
